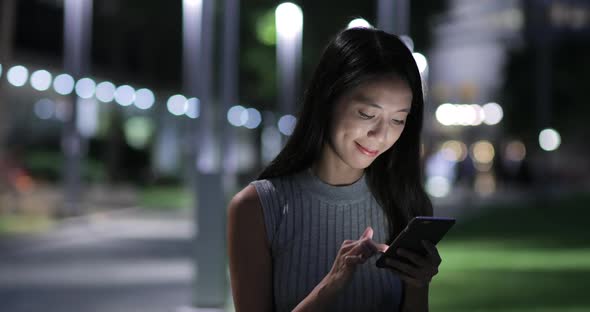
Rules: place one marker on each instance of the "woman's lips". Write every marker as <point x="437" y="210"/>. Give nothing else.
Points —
<point x="366" y="151"/>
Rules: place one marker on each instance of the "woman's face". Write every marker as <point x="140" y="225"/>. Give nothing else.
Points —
<point x="369" y="119"/>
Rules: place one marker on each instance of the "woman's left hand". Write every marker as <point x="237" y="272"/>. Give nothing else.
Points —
<point x="421" y="269"/>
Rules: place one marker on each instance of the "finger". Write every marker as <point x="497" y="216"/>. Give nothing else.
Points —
<point x="364" y="247"/>
<point x="382" y="247"/>
<point x="404" y="267"/>
<point x="353" y="260"/>
<point x="432" y="251"/>
<point x="368" y="233"/>
<point x="413" y="257"/>
<point x="407" y="278"/>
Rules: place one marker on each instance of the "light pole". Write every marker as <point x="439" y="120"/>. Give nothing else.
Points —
<point x="210" y="285"/>
<point x="289" y="25"/>
<point x="77" y="34"/>
<point x="393" y="16"/>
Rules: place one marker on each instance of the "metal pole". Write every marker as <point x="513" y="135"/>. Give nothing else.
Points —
<point x="385" y="15"/>
<point x="7" y="25"/>
<point x="77" y="32"/>
<point x="393" y="16"/>
<point x="210" y="285"/>
<point x="229" y="92"/>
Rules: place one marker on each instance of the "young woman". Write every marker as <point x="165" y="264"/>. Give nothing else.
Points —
<point x="306" y="234"/>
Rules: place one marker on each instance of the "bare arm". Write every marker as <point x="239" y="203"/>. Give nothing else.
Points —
<point x="415" y="298"/>
<point x="249" y="254"/>
<point x="251" y="263"/>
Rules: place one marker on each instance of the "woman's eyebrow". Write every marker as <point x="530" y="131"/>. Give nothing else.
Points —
<point x="365" y="100"/>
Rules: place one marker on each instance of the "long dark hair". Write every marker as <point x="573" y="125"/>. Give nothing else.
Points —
<point x="353" y="57"/>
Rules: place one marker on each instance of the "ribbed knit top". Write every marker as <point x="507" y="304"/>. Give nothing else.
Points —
<point x="306" y="222"/>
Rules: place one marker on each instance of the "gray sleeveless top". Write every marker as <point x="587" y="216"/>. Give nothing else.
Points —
<point x="306" y="221"/>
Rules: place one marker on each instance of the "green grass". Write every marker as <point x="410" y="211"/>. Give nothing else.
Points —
<point x="24" y="223"/>
<point x="534" y="257"/>
<point x="166" y="198"/>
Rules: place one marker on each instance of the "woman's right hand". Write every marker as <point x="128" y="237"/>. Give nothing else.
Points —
<point x="351" y="254"/>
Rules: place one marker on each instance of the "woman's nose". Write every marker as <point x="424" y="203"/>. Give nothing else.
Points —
<point x="379" y="131"/>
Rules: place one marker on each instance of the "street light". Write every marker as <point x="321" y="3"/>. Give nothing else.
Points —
<point x="289" y="24"/>
<point x="359" y="23"/>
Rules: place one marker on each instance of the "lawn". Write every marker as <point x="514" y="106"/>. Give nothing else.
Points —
<point x="520" y="258"/>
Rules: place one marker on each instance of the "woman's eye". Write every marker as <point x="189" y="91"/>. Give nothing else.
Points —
<point x="365" y="116"/>
<point x="399" y="122"/>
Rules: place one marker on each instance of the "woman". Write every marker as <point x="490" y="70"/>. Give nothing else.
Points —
<point x="306" y="234"/>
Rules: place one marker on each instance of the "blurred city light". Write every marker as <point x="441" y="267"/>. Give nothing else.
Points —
<point x="493" y="113"/>
<point x="359" y="22"/>
<point x="254" y="118"/>
<point x="266" y="31"/>
<point x="17" y="75"/>
<point x="41" y="80"/>
<point x="445" y="114"/>
<point x="144" y="98"/>
<point x="85" y="88"/>
<point x="271" y="143"/>
<point x="138" y="131"/>
<point x="193" y="3"/>
<point x="237" y="116"/>
<point x="408" y="42"/>
<point x="44" y="108"/>
<point x="515" y="151"/>
<point x="87" y="117"/>
<point x="549" y="139"/>
<point x="289" y="19"/>
<point x="177" y="105"/>
<point x="420" y="61"/>
<point x="449" y="114"/>
<point x="453" y="150"/>
<point x="485" y="183"/>
<point x="482" y="152"/>
<point x="193" y="109"/>
<point x="105" y="91"/>
<point x="287" y="124"/>
<point x="438" y="186"/>
<point x="125" y="95"/>
<point x="63" y="84"/>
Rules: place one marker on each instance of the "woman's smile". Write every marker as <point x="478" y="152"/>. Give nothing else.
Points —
<point x="366" y="151"/>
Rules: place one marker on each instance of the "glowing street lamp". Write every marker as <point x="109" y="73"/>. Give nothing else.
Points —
<point x="289" y="25"/>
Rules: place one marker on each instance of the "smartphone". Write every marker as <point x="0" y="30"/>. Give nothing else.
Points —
<point x="418" y="229"/>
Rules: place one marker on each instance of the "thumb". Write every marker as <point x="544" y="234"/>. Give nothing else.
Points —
<point x="368" y="233"/>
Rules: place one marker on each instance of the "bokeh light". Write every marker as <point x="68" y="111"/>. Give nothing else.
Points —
<point x="105" y="91"/>
<point x="177" y="104"/>
<point x="254" y="118"/>
<point x="63" y="84"/>
<point x="41" y="80"/>
<point x="483" y="152"/>
<point x="289" y="20"/>
<point x="438" y="186"/>
<point x="44" y="109"/>
<point x="549" y="139"/>
<point x="193" y="109"/>
<point x="493" y="113"/>
<point x="515" y="151"/>
<point x="237" y="115"/>
<point x="360" y="23"/>
<point x="17" y="75"/>
<point x="453" y="150"/>
<point x="144" y="98"/>
<point x="125" y="95"/>
<point x="85" y="88"/>
<point x="287" y="124"/>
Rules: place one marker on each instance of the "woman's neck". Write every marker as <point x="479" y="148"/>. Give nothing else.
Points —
<point x="331" y="169"/>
